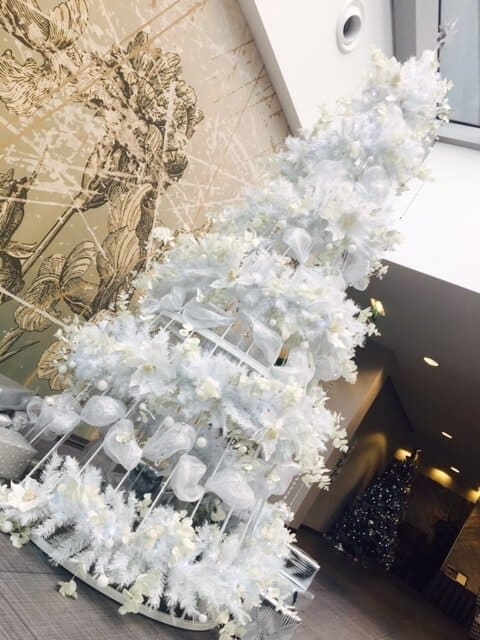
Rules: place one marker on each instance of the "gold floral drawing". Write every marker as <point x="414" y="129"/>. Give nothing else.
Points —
<point x="142" y="115"/>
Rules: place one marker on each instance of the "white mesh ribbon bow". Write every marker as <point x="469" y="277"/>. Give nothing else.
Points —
<point x="120" y="444"/>
<point x="57" y="415"/>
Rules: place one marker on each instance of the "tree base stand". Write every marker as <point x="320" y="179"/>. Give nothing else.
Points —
<point x="171" y="618"/>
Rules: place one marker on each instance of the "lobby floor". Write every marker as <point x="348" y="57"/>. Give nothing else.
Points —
<point x="350" y="604"/>
<point x="353" y="603"/>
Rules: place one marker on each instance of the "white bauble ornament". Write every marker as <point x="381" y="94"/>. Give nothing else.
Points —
<point x="102" y="385"/>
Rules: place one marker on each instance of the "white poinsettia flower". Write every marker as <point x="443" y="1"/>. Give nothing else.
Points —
<point x="189" y="348"/>
<point x="20" y="538"/>
<point x="208" y="389"/>
<point x="26" y="496"/>
<point x="68" y="589"/>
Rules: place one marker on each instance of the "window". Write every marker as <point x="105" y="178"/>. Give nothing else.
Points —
<point x="460" y="59"/>
<point x="416" y="25"/>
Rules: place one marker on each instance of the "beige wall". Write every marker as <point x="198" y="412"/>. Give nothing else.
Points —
<point x="384" y="429"/>
<point x="55" y="137"/>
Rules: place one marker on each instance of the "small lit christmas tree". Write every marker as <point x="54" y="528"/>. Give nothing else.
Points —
<point x="369" y="528"/>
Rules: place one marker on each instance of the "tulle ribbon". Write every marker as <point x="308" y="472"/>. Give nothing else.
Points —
<point x="120" y="444"/>
<point x="57" y="415"/>
<point x="186" y="478"/>
<point x="231" y="486"/>
<point x="165" y="442"/>
<point x="299" y="243"/>
<point x="102" y="411"/>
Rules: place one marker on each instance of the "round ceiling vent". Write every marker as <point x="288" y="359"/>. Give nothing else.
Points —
<point x="350" y="25"/>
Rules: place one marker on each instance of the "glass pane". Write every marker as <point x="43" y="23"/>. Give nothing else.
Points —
<point x="460" y="59"/>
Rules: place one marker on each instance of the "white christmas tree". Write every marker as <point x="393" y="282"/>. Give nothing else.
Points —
<point x="210" y="381"/>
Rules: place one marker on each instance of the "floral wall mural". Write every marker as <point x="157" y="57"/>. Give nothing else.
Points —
<point x="115" y="122"/>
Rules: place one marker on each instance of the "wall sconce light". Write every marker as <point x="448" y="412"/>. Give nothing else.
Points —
<point x="377" y="307"/>
<point x="402" y="454"/>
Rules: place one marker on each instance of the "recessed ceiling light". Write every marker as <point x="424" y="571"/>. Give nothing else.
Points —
<point x="454" y="469"/>
<point x="378" y="308"/>
<point x="430" y="361"/>
<point x="447" y="435"/>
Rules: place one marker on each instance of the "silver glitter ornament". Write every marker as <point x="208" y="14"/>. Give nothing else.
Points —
<point x="15" y="454"/>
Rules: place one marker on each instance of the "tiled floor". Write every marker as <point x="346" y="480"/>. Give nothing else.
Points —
<point x="350" y="604"/>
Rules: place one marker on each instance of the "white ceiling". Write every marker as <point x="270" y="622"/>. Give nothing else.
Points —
<point x="430" y="317"/>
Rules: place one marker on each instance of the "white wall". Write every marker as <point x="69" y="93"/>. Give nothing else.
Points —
<point x="442" y="225"/>
<point x="297" y="39"/>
